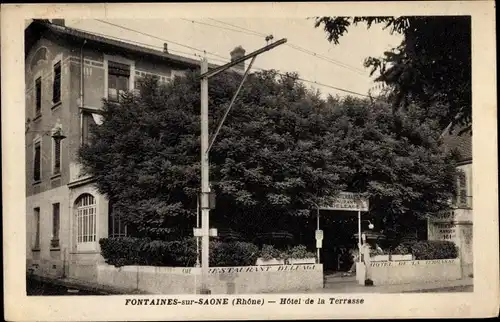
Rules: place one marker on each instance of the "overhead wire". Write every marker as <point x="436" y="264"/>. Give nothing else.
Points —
<point x="230" y="29"/>
<point x="225" y="60"/>
<point x="299" y="48"/>
<point x="156" y="37"/>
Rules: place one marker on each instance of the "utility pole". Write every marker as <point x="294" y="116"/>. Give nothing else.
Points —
<point x="205" y="184"/>
<point x="205" y="149"/>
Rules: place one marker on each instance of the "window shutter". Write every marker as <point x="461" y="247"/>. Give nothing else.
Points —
<point x="462" y="189"/>
<point x="56" y="85"/>
<point x="38" y="106"/>
<point x="37" y="163"/>
<point x="57" y="156"/>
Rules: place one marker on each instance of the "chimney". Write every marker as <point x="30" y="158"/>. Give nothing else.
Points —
<point x="59" y="22"/>
<point x="165" y="48"/>
<point x="236" y="53"/>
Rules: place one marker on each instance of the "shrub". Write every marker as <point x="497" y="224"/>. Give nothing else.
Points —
<point x="170" y="253"/>
<point x="428" y="249"/>
<point x="123" y="251"/>
<point x="233" y="253"/>
<point x="269" y="252"/>
<point x="299" y="252"/>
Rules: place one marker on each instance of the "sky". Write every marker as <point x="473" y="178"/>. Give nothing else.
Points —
<point x="218" y="37"/>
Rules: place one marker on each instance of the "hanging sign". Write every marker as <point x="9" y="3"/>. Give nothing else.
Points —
<point x="348" y="201"/>
<point x="197" y="232"/>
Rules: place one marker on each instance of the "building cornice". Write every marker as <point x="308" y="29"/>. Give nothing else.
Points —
<point x="81" y="182"/>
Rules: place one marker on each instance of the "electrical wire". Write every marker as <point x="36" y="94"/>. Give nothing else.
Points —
<point x="252" y="31"/>
<point x="299" y="48"/>
<point x="156" y="37"/>
<point x="224" y="60"/>
<point x="307" y="81"/>
<point x="230" y="29"/>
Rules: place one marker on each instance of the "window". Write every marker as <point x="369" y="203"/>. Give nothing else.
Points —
<point x="463" y="198"/>
<point x="85" y="221"/>
<point x="90" y="119"/>
<point x="118" y="80"/>
<point x="116" y="226"/>
<point x="37" y="164"/>
<point x="36" y="211"/>
<point x="55" y="225"/>
<point x="56" y="166"/>
<point x="56" y="84"/>
<point x="38" y="98"/>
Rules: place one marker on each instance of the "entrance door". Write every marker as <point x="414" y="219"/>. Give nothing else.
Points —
<point x="338" y="240"/>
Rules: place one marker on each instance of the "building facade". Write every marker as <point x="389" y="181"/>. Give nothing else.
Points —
<point x="67" y="74"/>
<point x="456" y="224"/>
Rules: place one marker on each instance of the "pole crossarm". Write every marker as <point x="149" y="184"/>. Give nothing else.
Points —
<point x="222" y="68"/>
<point x="230" y="104"/>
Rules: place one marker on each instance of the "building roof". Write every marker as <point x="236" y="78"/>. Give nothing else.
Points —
<point x="462" y="143"/>
<point x="38" y="28"/>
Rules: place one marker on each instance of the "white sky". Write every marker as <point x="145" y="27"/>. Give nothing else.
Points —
<point x="354" y="47"/>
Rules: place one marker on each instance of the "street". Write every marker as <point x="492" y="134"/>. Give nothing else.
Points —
<point x="37" y="287"/>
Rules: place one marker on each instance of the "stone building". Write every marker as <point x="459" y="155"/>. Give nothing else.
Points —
<point x="67" y="74"/>
<point x="456" y="225"/>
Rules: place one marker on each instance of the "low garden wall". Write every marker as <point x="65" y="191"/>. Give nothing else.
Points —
<point x="222" y="280"/>
<point x="414" y="271"/>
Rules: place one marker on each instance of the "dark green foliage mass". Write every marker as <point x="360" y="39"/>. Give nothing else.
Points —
<point x="281" y="149"/>
<point x="431" y="67"/>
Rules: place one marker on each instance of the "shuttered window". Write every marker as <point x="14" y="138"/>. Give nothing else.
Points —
<point x="56" y="208"/>
<point x="56" y="84"/>
<point x="38" y="96"/>
<point x="463" y="197"/>
<point x="36" y="218"/>
<point x="57" y="156"/>
<point x="37" y="164"/>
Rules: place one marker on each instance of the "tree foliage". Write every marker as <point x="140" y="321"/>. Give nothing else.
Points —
<point x="281" y="150"/>
<point x="431" y="67"/>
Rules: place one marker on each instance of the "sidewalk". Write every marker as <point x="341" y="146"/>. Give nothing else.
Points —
<point x="85" y="286"/>
<point x="354" y="287"/>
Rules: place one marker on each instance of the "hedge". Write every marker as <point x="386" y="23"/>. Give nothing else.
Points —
<point x="428" y="249"/>
<point x="123" y="251"/>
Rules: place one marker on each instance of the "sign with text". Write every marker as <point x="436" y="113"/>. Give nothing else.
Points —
<point x="443" y="216"/>
<point x="443" y="231"/>
<point x="349" y="201"/>
<point x="319" y="234"/>
<point x="254" y="269"/>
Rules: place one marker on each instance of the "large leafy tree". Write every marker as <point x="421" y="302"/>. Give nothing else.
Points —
<point x="282" y="150"/>
<point x="268" y="163"/>
<point x="397" y="160"/>
<point x="430" y="68"/>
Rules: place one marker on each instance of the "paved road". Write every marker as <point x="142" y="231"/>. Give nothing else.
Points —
<point x="37" y="287"/>
<point x="464" y="288"/>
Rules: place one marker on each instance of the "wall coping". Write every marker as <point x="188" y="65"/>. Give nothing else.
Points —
<point x="213" y="270"/>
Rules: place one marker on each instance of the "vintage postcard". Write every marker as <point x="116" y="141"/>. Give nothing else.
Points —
<point x="249" y="161"/>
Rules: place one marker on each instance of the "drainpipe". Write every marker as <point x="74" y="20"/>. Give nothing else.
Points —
<point x="81" y="91"/>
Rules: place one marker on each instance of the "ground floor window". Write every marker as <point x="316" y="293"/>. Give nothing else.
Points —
<point x="116" y="226"/>
<point x="86" y="211"/>
<point x="36" y="244"/>
<point x="56" y="208"/>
